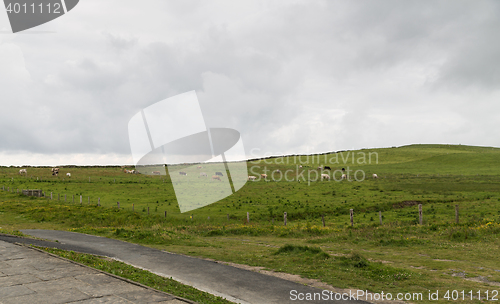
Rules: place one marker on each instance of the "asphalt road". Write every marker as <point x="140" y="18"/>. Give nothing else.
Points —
<point x="235" y="284"/>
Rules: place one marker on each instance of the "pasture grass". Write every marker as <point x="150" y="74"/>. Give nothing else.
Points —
<point x="398" y="256"/>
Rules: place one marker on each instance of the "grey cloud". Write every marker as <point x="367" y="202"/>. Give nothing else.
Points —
<point x="280" y="75"/>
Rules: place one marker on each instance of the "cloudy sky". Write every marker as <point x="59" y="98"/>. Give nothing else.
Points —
<point x="291" y="76"/>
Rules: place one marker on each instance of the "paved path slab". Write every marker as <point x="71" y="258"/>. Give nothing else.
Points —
<point x="235" y="284"/>
<point x="31" y="276"/>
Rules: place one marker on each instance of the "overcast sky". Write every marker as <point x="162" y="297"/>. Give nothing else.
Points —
<point x="291" y="76"/>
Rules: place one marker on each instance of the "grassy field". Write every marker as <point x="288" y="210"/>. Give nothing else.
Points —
<point x="398" y="256"/>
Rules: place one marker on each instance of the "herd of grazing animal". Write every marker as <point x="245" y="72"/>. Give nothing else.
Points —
<point x="320" y="168"/>
<point x="55" y="171"/>
<point x="204" y="174"/>
<point x="217" y="175"/>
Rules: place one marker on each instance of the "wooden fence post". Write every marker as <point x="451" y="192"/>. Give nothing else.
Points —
<point x="284" y="217"/>
<point x="89" y="179"/>
<point x="456" y="214"/>
<point x="323" y="219"/>
<point x="118" y="204"/>
<point x="248" y="217"/>
<point x="420" y="214"/>
<point x="50" y="195"/>
<point x="351" y="213"/>
<point x="73" y="199"/>
<point x="380" y="217"/>
<point x="58" y="196"/>
<point x="165" y="214"/>
<point x="81" y="199"/>
<point x="88" y="200"/>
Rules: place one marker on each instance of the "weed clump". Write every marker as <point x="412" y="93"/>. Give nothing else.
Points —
<point x="354" y="259"/>
<point x="293" y="249"/>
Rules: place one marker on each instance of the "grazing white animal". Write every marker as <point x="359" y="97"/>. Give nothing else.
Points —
<point x="264" y="176"/>
<point x="252" y="177"/>
<point x="326" y="176"/>
<point x="300" y="166"/>
<point x="55" y="171"/>
<point x="375" y="175"/>
<point x="182" y="173"/>
<point x="277" y="170"/>
<point x="203" y="174"/>
<point x="199" y="167"/>
<point x="319" y="168"/>
<point x="23" y="171"/>
<point x="215" y="177"/>
<point x="344" y="176"/>
<point x="156" y="172"/>
<point x="68" y="174"/>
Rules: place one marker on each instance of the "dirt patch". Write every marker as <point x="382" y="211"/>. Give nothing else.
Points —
<point x="478" y="279"/>
<point x="337" y="254"/>
<point x="267" y="245"/>
<point x="418" y="267"/>
<point x="404" y="204"/>
<point x="381" y="261"/>
<point x="481" y="279"/>
<point x="443" y="260"/>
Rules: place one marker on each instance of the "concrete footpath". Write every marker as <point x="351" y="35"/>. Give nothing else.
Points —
<point x="28" y="275"/>
<point x="235" y="284"/>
